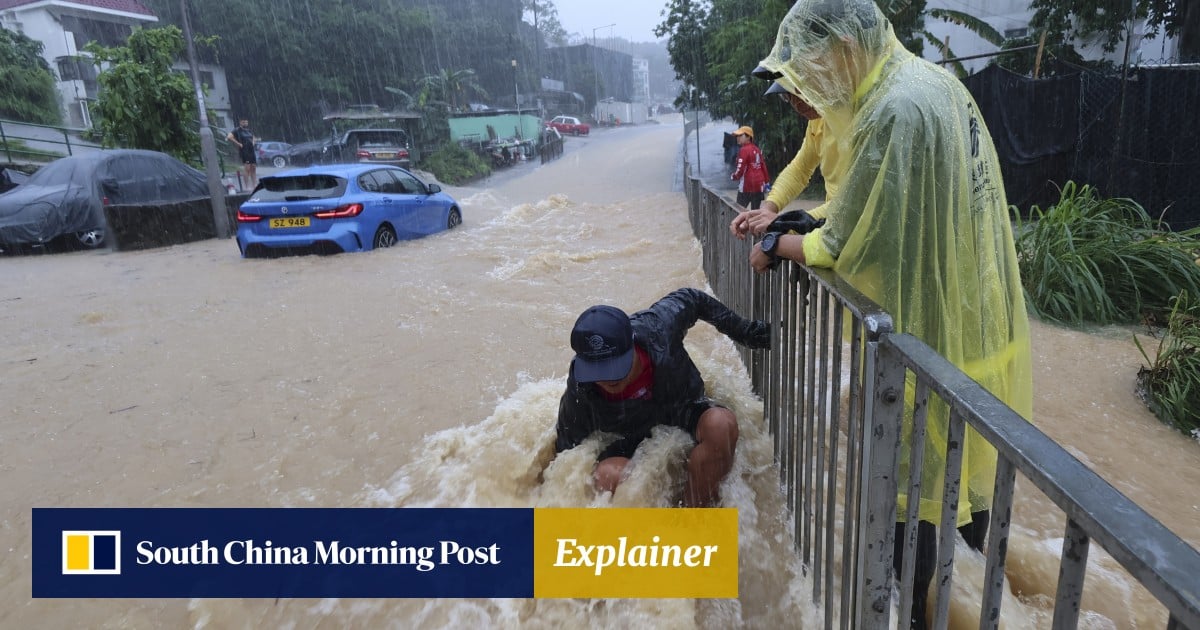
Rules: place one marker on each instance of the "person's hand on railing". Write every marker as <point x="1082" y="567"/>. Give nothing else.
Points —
<point x="757" y="335"/>
<point x="752" y="222"/>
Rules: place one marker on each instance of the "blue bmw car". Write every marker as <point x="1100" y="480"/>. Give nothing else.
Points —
<point x="341" y="208"/>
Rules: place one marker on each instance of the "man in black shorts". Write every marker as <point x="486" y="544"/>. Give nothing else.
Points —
<point x="632" y="373"/>
<point x="244" y="139"/>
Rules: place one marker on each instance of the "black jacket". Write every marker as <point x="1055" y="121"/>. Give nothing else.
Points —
<point x="659" y="330"/>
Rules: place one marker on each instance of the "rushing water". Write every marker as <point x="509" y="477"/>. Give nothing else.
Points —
<point x="429" y="375"/>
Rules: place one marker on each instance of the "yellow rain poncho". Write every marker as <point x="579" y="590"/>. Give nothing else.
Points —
<point x="819" y="149"/>
<point x="920" y="221"/>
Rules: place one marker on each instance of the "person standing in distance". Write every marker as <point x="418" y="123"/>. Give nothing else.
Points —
<point x="243" y="138"/>
<point x="751" y="170"/>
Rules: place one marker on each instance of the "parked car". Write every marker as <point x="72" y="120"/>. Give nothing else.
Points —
<point x="66" y="198"/>
<point x="569" y="125"/>
<point x="11" y="178"/>
<point x="375" y="146"/>
<point x="305" y="153"/>
<point x="273" y="153"/>
<point x="341" y="208"/>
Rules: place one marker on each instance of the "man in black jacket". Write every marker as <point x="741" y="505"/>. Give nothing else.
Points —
<point x="632" y="373"/>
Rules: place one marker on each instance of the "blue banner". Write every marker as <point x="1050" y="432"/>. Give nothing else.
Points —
<point x="283" y="552"/>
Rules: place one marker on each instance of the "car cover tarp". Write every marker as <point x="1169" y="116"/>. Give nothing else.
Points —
<point x="67" y="195"/>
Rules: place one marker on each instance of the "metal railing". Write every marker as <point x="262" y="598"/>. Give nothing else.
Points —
<point x="833" y="390"/>
<point x="38" y="143"/>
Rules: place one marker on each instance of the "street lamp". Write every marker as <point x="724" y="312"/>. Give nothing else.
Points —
<point x="596" y="72"/>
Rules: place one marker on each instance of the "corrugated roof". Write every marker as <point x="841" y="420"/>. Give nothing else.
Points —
<point x="127" y="6"/>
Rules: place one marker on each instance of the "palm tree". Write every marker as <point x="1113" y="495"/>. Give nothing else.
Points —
<point x="454" y="86"/>
<point x="969" y="22"/>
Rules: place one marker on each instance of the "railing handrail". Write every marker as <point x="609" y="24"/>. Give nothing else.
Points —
<point x="1134" y="538"/>
<point x="876" y="321"/>
<point x="39" y="125"/>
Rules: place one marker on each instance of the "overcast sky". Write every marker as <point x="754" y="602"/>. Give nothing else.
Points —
<point x="635" y="19"/>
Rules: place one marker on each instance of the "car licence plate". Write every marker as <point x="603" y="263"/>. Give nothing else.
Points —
<point x="384" y="156"/>
<point x="289" y="222"/>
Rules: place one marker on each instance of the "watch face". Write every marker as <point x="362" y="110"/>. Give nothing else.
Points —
<point x="768" y="243"/>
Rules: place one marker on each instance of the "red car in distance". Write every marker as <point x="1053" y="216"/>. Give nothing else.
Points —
<point x="569" y="125"/>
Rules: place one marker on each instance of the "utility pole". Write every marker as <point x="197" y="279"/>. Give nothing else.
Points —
<point x="596" y="71"/>
<point x="208" y="148"/>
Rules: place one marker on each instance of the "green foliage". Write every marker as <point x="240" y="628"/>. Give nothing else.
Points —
<point x="290" y="62"/>
<point x="453" y="87"/>
<point x="1089" y="259"/>
<point x="1108" y="22"/>
<point x="11" y="149"/>
<point x="143" y="104"/>
<point x="29" y="94"/>
<point x="453" y="164"/>
<point x="1171" y="385"/>
<point x="543" y="15"/>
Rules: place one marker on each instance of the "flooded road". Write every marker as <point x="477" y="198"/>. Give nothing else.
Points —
<point x="429" y="375"/>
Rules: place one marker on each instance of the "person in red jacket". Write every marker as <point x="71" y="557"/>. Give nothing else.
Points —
<point x="751" y="171"/>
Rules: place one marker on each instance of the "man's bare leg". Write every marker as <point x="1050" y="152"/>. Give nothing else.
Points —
<point x="712" y="457"/>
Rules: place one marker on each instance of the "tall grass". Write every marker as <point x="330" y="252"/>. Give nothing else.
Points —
<point x="1171" y="385"/>
<point x="1104" y="261"/>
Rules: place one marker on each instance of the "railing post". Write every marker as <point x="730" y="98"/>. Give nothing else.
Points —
<point x="4" y="141"/>
<point x="884" y="412"/>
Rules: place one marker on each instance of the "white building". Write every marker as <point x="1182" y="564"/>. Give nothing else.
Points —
<point x="1011" y="19"/>
<point x="64" y="27"/>
<point x="641" y="80"/>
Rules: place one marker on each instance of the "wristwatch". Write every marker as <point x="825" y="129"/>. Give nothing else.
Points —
<point x="769" y="243"/>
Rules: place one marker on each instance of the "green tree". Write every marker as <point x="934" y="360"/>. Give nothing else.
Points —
<point x="290" y="62"/>
<point x="143" y="104"/>
<point x="454" y="87"/>
<point x="687" y="28"/>
<point x="1108" y="21"/>
<point x="28" y="94"/>
<point x="543" y="15"/>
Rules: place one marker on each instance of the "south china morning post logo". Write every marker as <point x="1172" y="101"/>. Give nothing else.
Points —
<point x="91" y="552"/>
<point x="282" y="552"/>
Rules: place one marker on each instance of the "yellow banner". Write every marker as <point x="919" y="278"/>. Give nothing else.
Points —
<point x="637" y="552"/>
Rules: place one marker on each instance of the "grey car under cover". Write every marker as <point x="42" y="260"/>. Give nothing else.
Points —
<point x="68" y="195"/>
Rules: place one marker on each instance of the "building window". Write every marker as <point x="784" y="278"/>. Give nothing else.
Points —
<point x="76" y="68"/>
<point x="1013" y="33"/>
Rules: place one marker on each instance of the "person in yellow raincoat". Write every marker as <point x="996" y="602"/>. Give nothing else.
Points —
<point x="818" y="149"/>
<point x="919" y="224"/>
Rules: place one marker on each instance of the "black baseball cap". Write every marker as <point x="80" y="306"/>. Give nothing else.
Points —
<point x="603" y="344"/>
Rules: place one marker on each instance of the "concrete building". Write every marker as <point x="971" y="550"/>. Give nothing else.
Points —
<point x="64" y="27"/>
<point x="641" y="80"/>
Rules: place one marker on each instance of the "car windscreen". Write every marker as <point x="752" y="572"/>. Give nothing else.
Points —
<point x="299" y="188"/>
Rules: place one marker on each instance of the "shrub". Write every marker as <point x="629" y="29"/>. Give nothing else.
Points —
<point x="1171" y="385"/>
<point x="1088" y="259"/>
<point x="453" y="164"/>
